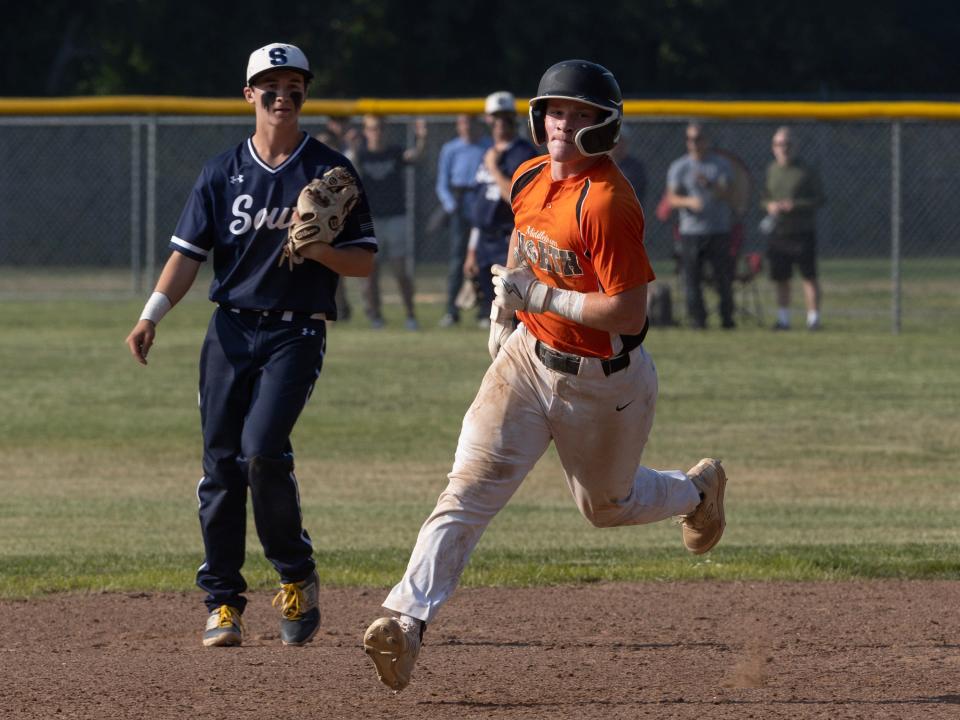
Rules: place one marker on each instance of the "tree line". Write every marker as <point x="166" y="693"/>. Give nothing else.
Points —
<point x="466" y="48"/>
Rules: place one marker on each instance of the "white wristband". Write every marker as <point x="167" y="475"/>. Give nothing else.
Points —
<point x="538" y="297"/>
<point x="157" y="306"/>
<point x="500" y="314"/>
<point x="567" y="303"/>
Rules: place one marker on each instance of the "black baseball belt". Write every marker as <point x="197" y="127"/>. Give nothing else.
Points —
<point x="286" y="315"/>
<point x="570" y="364"/>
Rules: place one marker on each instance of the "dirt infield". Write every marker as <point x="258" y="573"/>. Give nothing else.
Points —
<point x="672" y="650"/>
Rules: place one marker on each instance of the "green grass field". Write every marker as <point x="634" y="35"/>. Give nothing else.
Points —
<point x="841" y="446"/>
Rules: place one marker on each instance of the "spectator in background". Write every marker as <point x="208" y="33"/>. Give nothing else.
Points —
<point x="698" y="185"/>
<point x="456" y="182"/>
<point x="630" y="165"/>
<point x="381" y="166"/>
<point x="334" y="133"/>
<point x="337" y="133"/>
<point x="791" y="196"/>
<point x="492" y="214"/>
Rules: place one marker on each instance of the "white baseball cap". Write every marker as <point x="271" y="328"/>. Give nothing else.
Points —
<point x="500" y="101"/>
<point x="277" y="56"/>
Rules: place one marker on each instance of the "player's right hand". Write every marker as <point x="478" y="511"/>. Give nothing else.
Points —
<point x="502" y="325"/>
<point x="140" y="340"/>
<point x="517" y="289"/>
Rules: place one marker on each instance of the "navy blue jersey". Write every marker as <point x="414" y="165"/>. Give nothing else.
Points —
<point x="382" y="173"/>
<point x="635" y="171"/>
<point x="240" y="209"/>
<point x="491" y="212"/>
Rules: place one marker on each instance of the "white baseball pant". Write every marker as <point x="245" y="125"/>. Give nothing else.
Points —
<point x="600" y="425"/>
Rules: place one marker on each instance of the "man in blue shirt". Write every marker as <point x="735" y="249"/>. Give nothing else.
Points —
<point x="265" y="344"/>
<point x="456" y="184"/>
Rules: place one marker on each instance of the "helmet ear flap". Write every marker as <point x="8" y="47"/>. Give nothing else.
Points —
<point x="537" y="116"/>
<point x="601" y="138"/>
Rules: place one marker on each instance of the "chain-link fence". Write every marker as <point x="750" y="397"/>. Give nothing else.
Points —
<point x="98" y="197"/>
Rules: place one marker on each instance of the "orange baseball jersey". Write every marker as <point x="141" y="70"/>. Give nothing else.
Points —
<point x="582" y="233"/>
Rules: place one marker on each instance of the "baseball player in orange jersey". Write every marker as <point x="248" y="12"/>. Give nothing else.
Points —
<point x="574" y="370"/>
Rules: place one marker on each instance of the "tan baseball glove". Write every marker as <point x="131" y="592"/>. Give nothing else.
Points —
<point x="322" y="209"/>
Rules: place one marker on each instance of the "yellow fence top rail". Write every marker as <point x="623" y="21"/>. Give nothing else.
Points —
<point x="171" y="105"/>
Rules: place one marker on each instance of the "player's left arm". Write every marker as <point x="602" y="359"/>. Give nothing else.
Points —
<point x="613" y="231"/>
<point x="624" y="313"/>
<point x="346" y="261"/>
<point x="351" y="253"/>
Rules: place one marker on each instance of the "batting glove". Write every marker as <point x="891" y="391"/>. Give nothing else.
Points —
<point x="502" y="325"/>
<point x="518" y="289"/>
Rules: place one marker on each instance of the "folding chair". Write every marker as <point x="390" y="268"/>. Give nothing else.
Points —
<point x="746" y="268"/>
<point x="746" y="291"/>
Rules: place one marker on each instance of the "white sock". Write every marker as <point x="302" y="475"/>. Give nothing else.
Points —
<point x="813" y="317"/>
<point x="783" y="316"/>
<point x="408" y="622"/>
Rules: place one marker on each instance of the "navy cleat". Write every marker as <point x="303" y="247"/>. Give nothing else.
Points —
<point x="299" y="610"/>
<point x="224" y="628"/>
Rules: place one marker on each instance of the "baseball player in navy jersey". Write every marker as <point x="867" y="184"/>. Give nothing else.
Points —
<point x="491" y="214"/>
<point x="574" y="371"/>
<point x="265" y="343"/>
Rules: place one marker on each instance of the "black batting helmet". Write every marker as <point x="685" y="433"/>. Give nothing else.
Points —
<point x="584" y="82"/>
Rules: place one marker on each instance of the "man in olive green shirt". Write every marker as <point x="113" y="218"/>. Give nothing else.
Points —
<point x="791" y="197"/>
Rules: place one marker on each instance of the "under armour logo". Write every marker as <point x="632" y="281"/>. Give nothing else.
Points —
<point x="236" y="179"/>
<point x="308" y="331"/>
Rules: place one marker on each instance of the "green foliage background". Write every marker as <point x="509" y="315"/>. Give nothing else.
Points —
<point x="436" y="48"/>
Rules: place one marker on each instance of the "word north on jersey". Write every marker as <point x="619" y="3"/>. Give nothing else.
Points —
<point x="270" y="217"/>
<point x="542" y="251"/>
